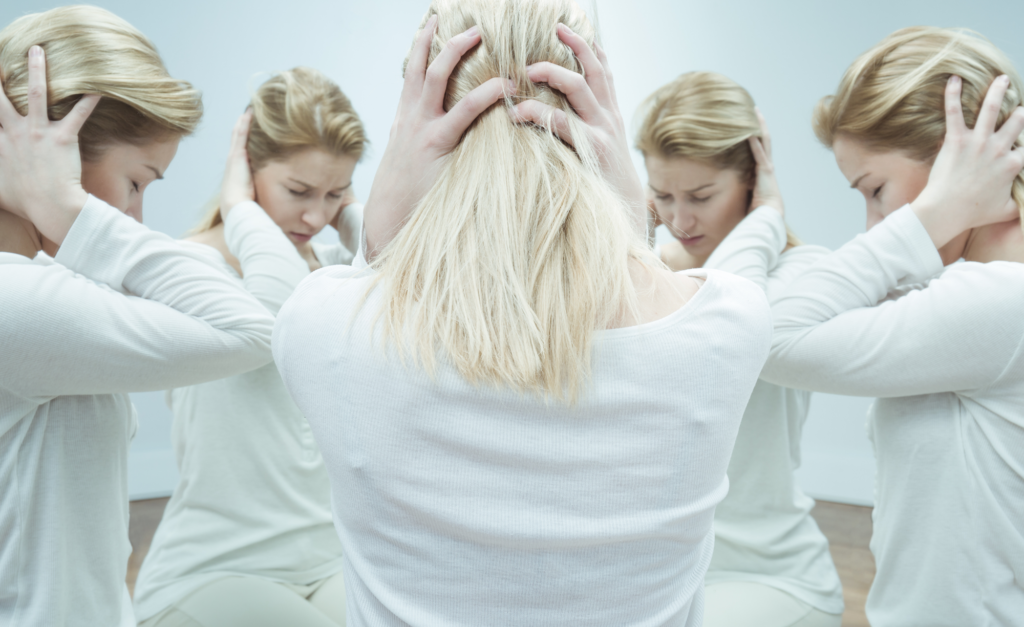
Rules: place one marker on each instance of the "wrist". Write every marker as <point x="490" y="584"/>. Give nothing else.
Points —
<point x="57" y="219"/>
<point x="936" y="222"/>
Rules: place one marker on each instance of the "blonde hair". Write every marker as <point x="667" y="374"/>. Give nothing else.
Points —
<point x="705" y="117"/>
<point x="520" y="250"/>
<point x="293" y="111"/>
<point x="92" y="51"/>
<point x="893" y="96"/>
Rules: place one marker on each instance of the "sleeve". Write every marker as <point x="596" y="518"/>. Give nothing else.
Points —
<point x="834" y="333"/>
<point x="271" y="265"/>
<point x="349" y="230"/>
<point x="123" y="309"/>
<point x="752" y="249"/>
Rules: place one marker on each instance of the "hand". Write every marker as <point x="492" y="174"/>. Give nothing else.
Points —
<point x="423" y="134"/>
<point x="40" y="164"/>
<point x="593" y="99"/>
<point x="348" y="197"/>
<point x="970" y="182"/>
<point x="766" y="187"/>
<point x="237" y="186"/>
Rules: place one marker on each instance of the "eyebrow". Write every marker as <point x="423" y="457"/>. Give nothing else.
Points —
<point x="697" y="189"/>
<point x="857" y="182"/>
<point x="158" y="174"/>
<point x="340" y="189"/>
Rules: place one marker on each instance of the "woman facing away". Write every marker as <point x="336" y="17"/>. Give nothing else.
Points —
<point x="927" y="126"/>
<point x="93" y="306"/>
<point x="497" y="396"/>
<point x="700" y="135"/>
<point x="247" y="538"/>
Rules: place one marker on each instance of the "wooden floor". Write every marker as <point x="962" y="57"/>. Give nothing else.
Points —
<point x="848" y="528"/>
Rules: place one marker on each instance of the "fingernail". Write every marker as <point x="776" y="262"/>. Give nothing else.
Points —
<point x="1005" y="79"/>
<point x="473" y="31"/>
<point x="512" y="87"/>
<point x="955" y="79"/>
<point x="35" y="52"/>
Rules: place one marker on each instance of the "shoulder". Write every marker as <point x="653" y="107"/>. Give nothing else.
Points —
<point x="738" y="301"/>
<point x="328" y="287"/>
<point x="794" y="261"/>
<point x="214" y="238"/>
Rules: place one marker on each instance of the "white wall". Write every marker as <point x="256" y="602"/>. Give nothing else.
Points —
<point x="787" y="54"/>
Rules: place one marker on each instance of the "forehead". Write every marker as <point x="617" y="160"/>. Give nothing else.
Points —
<point x="683" y="173"/>
<point x="315" y="167"/>
<point x="855" y="159"/>
<point x="154" y="153"/>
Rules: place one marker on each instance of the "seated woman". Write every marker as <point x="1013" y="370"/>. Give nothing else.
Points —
<point x="891" y="314"/>
<point x="525" y="417"/>
<point x="700" y="137"/>
<point x="247" y="538"/>
<point x="93" y="306"/>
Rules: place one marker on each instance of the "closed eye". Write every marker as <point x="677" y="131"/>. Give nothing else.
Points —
<point x="699" y="200"/>
<point x="875" y="193"/>
<point x="663" y="197"/>
<point x="296" y="192"/>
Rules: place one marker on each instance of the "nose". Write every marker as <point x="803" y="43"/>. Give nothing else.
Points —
<point x="684" y="222"/>
<point x="135" y="209"/>
<point x="316" y="218"/>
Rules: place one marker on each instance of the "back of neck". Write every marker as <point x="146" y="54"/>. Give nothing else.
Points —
<point x="996" y="242"/>
<point x="19" y="236"/>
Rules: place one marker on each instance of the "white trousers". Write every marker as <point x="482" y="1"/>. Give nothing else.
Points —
<point x="256" y="602"/>
<point x="745" y="604"/>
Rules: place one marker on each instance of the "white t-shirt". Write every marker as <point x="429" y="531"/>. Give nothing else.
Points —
<point x="464" y="505"/>
<point x="253" y="496"/>
<point x="764" y="532"/>
<point x="120" y="309"/>
<point x="947" y="361"/>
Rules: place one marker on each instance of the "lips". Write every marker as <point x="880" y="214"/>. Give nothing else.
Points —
<point x="691" y="241"/>
<point x="299" y="237"/>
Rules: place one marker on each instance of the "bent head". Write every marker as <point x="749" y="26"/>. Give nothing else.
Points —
<point x="700" y="167"/>
<point x="886" y="122"/>
<point x="303" y="146"/>
<point x="132" y="135"/>
<point x="515" y="217"/>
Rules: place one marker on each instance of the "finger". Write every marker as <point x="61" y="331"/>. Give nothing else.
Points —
<point x="574" y="86"/>
<point x="435" y="83"/>
<point x="544" y="116"/>
<point x="37" y="87"/>
<point x="8" y="114"/>
<point x="474" y="103"/>
<point x="989" y="113"/>
<point x="766" y="137"/>
<point x="1009" y="132"/>
<point x="760" y="154"/>
<point x="75" y="119"/>
<point x="240" y="134"/>
<point x="416" y="67"/>
<point x="603" y="58"/>
<point x="593" y="70"/>
<point x="954" y="108"/>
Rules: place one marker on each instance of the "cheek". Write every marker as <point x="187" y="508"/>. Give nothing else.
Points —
<point x="103" y="186"/>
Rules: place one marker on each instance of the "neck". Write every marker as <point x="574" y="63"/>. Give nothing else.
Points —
<point x="996" y="242"/>
<point x="19" y="236"/>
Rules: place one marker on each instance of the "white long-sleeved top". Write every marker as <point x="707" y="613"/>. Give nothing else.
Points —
<point x="946" y="359"/>
<point x="119" y="309"/>
<point x="764" y="532"/>
<point x="253" y="496"/>
<point x="464" y="505"/>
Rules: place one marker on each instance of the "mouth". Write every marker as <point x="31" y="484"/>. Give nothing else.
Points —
<point x="690" y="241"/>
<point x="299" y="237"/>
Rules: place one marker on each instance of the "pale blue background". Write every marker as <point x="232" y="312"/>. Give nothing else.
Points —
<point x="787" y="54"/>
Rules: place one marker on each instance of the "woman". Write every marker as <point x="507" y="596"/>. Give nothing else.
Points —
<point x="699" y="136"/>
<point x="247" y="537"/>
<point x="93" y="306"/>
<point x="940" y="343"/>
<point x="489" y="395"/>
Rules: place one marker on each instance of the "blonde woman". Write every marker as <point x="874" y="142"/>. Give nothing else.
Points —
<point x="927" y="126"/>
<point x="93" y="305"/>
<point x="497" y="396"/>
<point x="699" y="136"/>
<point x="247" y="537"/>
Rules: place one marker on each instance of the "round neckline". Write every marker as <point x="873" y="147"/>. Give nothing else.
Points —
<point x="682" y="312"/>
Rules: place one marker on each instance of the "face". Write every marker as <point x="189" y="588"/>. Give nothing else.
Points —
<point x="700" y="204"/>
<point x="121" y="174"/>
<point x="888" y="180"/>
<point x="304" y="193"/>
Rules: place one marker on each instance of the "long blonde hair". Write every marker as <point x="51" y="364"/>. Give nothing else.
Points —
<point x="893" y="96"/>
<point x="705" y="117"/>
<point x="293" y="111"/>
<point x="92" y="51"/>
<point x="520" y="250"/>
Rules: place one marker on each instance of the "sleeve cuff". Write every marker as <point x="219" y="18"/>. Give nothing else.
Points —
<point x="911" y="234"/>
<point x="91" y="245"/>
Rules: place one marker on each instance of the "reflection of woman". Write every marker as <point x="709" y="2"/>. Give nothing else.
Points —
<point x="941" y="343"/>
<point x="93" y="305"/>
<point x="699" y="136"/>
<point x="247" y="537"/>
<point x="498" y="396"/>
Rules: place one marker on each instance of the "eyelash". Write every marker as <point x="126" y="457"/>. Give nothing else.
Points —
<point x="700" y="200"/>
<point x="295" y="193"/>
<point x="877" y="189"/>
<point x="663" y="197"/>
<point x="135" y="185"/>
